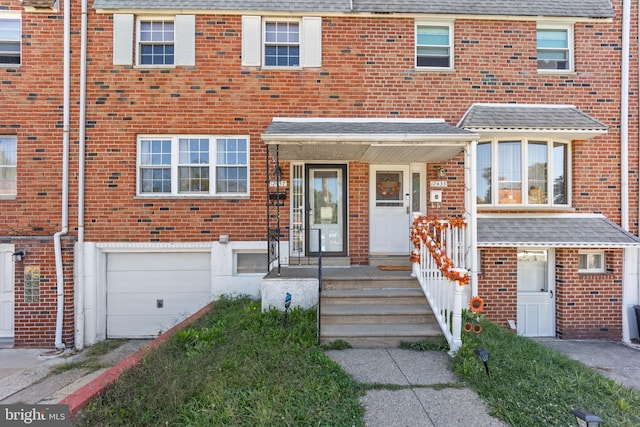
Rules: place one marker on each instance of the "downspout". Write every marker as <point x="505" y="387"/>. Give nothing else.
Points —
<point x="65" y="174"/>
<point x="624" y="147"/>
<point x="80" y="282"/>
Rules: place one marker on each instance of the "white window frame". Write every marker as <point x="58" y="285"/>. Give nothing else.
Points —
<point x="450" y="46"/>
<point x="590" y="269"/>
<point x="140" y="42"/>
<point x="253" y="41"/>
<point x="268" y="21"/>
<point x="524" y="186"/>
<point x="5" y="16"/>
<point x="126" y="26"/>
<point x="13" y="166"/>
<point x="569" y="49"/>
<point x="175" y="166"/>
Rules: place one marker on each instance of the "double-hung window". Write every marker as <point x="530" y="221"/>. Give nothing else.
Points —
<point x="193" y="165"/>
<point x="555" y="48"/>
<point x="10" y="34"/>
<point x="156" y="42"/>
<point x="283" y="43"/>
<point x="523" y="172"/>
<point x="434" y="46"/>
<point x="8" y="162"/>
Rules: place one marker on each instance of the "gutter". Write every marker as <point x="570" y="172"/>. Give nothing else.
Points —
<point x="80" y="282"/>
<point x="65" y="175"/>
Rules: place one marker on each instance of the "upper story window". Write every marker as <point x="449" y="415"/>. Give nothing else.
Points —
<point x="10" y="34"/>
<point x="555" y="48"/>
<point x="193" y="165"/>
<point x="8" y="162"/>
<point x="523" y="172"/>
<point x="281" y="43"/>
<point x="161" y="41"/>
<point x="156" y="42"/>
<point x="434" y="46"/>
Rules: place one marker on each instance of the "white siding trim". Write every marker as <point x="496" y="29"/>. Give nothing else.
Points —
<point x="123" y="39"/>
<point x="311" y="42"/>
<point x="185" y="40"/>
<point x="251" y="41"/>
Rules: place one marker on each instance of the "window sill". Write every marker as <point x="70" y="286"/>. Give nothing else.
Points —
<point x="535" y="208"/>
<point x="558" y="72"/>
<point x="191" y="197"/>
<point x="434" y="70"/>
<point x="9" y="197"/>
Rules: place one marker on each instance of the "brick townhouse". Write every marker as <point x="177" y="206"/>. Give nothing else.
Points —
<point x="142" y="144"/>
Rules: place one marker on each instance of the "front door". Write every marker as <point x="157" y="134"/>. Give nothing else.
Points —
<point x="390" y="207"/>
<point x="6" y="291"/>
<point x="326" y="209"/>
<point x="536" y="293"/>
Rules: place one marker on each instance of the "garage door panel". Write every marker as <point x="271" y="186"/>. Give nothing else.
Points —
<point x="160" y="281"/>
<point x="174" y="261"/>
<point x="145" y="304"/>
<point x="136" y="281"/>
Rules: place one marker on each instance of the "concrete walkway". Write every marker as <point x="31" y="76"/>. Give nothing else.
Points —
<point x="423" y="391"/>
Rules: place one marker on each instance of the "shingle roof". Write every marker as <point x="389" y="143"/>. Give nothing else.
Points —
<point x="561" y="230"/>
<point x="515" y="116"/>
<point x="566" y="8"/>
<point x="364" y="127"/>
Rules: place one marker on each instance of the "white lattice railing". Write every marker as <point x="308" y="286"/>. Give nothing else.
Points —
<point x="440" y="263"/>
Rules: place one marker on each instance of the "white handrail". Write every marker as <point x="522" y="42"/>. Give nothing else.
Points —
<point x="439" y="252"/>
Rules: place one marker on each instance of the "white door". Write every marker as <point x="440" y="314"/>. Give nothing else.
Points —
<point x="148" y="293"/>
<point x="536" y="293"/>
<point x="6" y="291"/>
<point x="390" y="207"/>
<point x="327" y="209"/>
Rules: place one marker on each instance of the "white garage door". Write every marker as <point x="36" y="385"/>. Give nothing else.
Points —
<point x="151" y="292"/>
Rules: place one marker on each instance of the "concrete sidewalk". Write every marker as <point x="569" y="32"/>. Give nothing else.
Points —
<point x="425" y="391"/>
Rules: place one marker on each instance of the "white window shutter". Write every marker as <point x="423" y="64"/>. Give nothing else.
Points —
<point x="251" y="41"/>
<point x="122" y="39"/>
<point x="185" y="40"/>
<point x="311" y="42"/>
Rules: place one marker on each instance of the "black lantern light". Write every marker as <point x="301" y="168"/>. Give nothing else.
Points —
<point x="483" y="356"/>
<point x="587" y="419"/>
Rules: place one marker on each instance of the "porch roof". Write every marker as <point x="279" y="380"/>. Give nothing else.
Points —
<point x="368" y="140"/>
<point x="552" y="230"/>
<point x="554" y="121"/>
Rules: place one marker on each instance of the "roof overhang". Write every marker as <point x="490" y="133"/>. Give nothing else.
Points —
<point x="367" y="140"/>
<point x="585" y="231"/>
<point x="551" y="121"/>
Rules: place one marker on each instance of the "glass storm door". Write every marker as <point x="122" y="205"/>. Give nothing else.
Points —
<point x="390" y="207"/>
<point x="326" y="209"/>
<point x="536" y="293"/>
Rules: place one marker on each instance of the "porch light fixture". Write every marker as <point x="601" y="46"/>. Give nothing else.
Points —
<point x="19" y="255"/>
<point x="587" y="419"/>
<point x="483" y="356"/>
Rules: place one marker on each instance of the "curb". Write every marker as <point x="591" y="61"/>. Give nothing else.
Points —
<point x="81" y="397"/>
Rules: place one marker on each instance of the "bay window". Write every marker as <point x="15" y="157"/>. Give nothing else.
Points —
<point x="522" y="172"/>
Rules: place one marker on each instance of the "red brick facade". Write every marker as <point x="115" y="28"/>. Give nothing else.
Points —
<point x="367" y="72"/>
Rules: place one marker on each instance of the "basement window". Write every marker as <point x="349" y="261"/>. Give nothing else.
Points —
<point x="251" y="262"/>
<point x="591" y="262"/>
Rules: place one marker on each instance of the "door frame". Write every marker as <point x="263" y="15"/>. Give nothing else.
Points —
<point x="551" y="293"/>
<point x="7" y="279"/>
<point x="345" y="209"/>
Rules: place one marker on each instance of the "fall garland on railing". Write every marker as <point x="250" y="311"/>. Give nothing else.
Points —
<point x="426" y="230"/>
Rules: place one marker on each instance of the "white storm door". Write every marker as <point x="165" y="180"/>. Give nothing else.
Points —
<point x="536" y="293"/>
<point x="389" y="217"/>
<point x="7" y="297"/>
<point x="327" y="209"/>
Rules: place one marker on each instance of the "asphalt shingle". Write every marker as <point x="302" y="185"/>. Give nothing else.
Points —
<point x="567" y="8"/>
<point x="363" y="127"/>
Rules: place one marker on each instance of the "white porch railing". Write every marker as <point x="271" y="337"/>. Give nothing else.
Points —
<point x="440" y="263"/>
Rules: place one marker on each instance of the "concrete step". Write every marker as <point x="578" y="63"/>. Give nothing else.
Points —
<point x="377" y="335"/>
<point x="376" y="314"/>
<point x="363" y="283"/>
<point x="374" y="296"/>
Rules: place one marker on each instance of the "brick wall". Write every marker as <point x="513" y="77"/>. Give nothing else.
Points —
<point x="498" y="284"/>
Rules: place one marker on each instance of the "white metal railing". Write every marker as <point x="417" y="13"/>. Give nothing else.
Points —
<point x="440" y="263"/>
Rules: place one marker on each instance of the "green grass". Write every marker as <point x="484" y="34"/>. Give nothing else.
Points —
<point x="236" y="367"/>
<point x="531" y="385"/>
<point x="92" y="360"/>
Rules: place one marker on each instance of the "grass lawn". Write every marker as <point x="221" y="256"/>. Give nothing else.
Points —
<point x="236" y="366"/>
<point x="531" y="385"/>
<point x="239" y="367"/>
